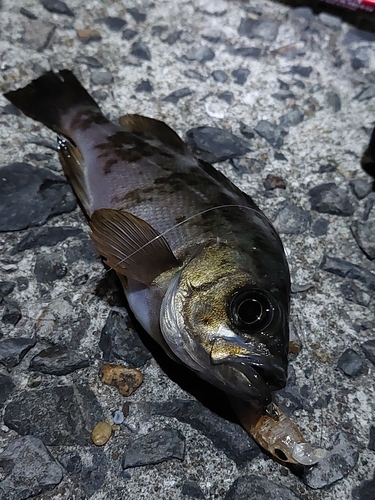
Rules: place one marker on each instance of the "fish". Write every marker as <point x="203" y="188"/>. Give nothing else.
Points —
<point x="203" y="269"/>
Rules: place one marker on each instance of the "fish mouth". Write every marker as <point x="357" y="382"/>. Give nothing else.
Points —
<point x="262" y="373"/>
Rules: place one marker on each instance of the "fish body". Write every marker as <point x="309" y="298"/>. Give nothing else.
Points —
<point x="203" y="269"/>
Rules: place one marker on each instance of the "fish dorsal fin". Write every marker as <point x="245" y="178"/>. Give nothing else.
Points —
<point x="72" y="163"/>
<point x="141" y="124"/>
<point x="130" y="245"/>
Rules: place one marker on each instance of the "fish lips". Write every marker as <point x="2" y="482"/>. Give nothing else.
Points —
<point x="265" y="374"/>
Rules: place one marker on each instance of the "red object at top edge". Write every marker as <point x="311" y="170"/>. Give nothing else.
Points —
<point x="369" y="2"/>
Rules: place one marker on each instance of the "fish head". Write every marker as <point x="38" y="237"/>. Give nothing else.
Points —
<point x="227" y="325"/>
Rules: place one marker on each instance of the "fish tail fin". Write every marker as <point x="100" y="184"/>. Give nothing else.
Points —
<point x="51" y="96"/>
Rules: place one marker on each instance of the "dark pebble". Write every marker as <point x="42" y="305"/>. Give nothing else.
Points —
<point x="331" y="166"/>
<point x="279" y="156"/>
<point x="175" y="96"/>
<point x="368" y="208"/>
<point x="129" y="34"/>
<point x="282" y="95"/>
<point x="350" y="363"/>
<point x="144" y="86"/>
<point x="10" y="109"/>
<point x="212" y="35"/>
<point x="49" y="267"/>
<point x="340" y="461"/>
<point x="359" y="59"/>
<point x="213" y="144"/>
<point x="6" y="388"/>
<point x="363" y="232"/>
<point x="240" y="75"/>
<point x="201" y="54"/>
<point x="246" y="130"/>
<point x="113" y="23"/>
<point x="93" y="476"/>
<point x="71" y="462"/>
<point x="348" y="270"/>
<point x="226" y="96"/>
<point x="371" y="443"/>
<point x="158" y="30"/>
<point x="291" y="118"/>
<point x="252" y="487"/>
<point x="253" y="52"/>
<point x="119" y="341"/>
<point x="354" y="293"/>
<point x="334" y="101"/>
<point x="365" y="491"/>
<point x="219" y="76"/>
<point x="225" y="435"/>
<point x="12" y="313"/>
<point x="12" y="351"/>
<point x="6" y="287"/>
<point x="140" y="50"/>
<point x="191" y="489"/>
<point x="172" y="38"/>
<point x="266" y="30"/>
<point x="30" y="469"/>
<point x="369" y="350"/>
<point x="330" y="199"/>
<point x="273" y="182"/>
<point x="299" y="84"/>
<point x="58" y="360"/>
<point x="246" y="26"/>
<point x="70" y="427"/>
<point x="100" y="77"/>
<point x="154" y="448"/>
<point x="355" y="35"/>
<point x="22" y="283"/>
<point x="361" y="188"/>
<point x="29" y="196"/>
<point x="138" y="16"/>
<point x="292" y="219"/>
<point x="57" y="7"/>
<point x="46" y="236"/>
<point x="290" y="400"/>
<point x="320" y="227"/>
<point x="303" y="71"/>
<point x="27" y="13"/>
<point x="194" y="75"/>
<point x="90" y="61"/>
<point x="81" y="249"/>
<point x="273" y="134"/>
<point x="366" y="93"/>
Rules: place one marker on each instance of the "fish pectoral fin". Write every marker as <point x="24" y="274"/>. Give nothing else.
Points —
<point x="130" y="245"/>
<point x="138" y="124"/>
<point x="72" y="163"/>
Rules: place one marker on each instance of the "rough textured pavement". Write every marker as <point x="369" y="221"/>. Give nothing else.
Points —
<point x="283" y="101"/>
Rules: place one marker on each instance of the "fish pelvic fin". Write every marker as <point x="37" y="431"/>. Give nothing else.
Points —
<point x="130" y="245"/>
<point x="48" y="98"/>
<point x="138" y="124"/>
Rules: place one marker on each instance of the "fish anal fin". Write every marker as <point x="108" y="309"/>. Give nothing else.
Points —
<point x="138" y="124"/>
<point x="72" y="163"/>
<point x="130" y="245"/>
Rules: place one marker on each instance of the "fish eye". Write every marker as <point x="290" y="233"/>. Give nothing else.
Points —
<point x="251" y="309"/>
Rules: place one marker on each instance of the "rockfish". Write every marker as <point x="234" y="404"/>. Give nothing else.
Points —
<point x="203" y="269"/>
